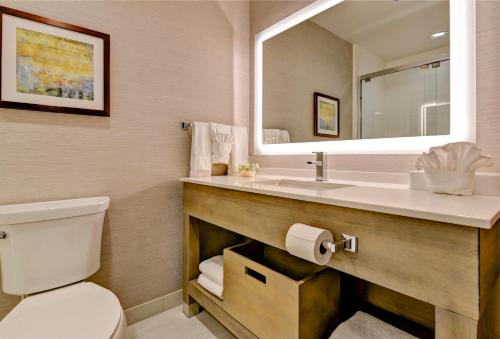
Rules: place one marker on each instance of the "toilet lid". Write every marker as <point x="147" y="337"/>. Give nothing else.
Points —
<point x="81" y="311"/>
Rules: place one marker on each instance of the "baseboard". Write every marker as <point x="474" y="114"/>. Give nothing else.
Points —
<point x="153" y="307"/>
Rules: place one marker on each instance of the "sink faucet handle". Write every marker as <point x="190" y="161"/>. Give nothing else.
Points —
<point x="321" y="164"/>
<point x="319" y="159"/>
<point x="320" y="156"/>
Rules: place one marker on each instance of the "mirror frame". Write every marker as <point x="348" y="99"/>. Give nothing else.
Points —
<point x="462" y="91"/>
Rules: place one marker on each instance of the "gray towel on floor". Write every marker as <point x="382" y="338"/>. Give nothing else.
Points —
<point x="364" y="326"/>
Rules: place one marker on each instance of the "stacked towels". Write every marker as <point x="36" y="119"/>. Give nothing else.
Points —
<point x="212" y="273"/>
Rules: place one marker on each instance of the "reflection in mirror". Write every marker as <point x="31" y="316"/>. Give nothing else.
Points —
<point x="359" y="70"/>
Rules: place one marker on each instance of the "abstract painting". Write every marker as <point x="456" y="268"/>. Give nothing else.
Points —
<point x="326" y="115"/>
<point x="47" y="65"/>
<point x="54" y="66"/>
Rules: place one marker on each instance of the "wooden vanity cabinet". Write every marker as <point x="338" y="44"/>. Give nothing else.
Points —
<point x="452" y="267"/>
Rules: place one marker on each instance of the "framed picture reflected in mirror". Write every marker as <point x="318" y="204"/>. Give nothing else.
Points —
<point x="326" y="116"/>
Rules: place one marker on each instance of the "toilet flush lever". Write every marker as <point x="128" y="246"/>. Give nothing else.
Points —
<point x="3" y="235"/>
<point x="348" y="243"/>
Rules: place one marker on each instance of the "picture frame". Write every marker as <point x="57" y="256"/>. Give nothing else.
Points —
<point x="52" y="66"/>
<point x="326" y="116"/>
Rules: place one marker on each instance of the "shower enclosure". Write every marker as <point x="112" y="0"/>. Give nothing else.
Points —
<point x="406" y="101"/>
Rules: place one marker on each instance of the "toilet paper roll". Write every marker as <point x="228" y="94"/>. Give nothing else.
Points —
<point x="304" y="241"/>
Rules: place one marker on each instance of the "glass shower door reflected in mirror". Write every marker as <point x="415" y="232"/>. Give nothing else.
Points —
<point x="406" y="102"/>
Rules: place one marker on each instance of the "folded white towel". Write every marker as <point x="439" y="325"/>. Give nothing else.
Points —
<point x="271" y="135"/>
<point x="213" y="268"/>
<point x="284" y="137"/>
<point x="364" y="326"/>
<point x="275" y="136"/>
<point x="210" y="286"/>
<point x="222" y="141"/>
<point x="450" y="168"/>
<point x="239" y="151"/>
<point x="201" y="150"/>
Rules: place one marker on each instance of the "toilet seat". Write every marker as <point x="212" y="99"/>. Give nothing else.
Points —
<point x="81" y="311"/>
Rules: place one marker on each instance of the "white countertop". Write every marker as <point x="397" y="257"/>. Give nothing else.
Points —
<point x="476" y="211"/>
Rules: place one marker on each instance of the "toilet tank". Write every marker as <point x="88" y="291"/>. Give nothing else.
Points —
<point x="50" y="244"/>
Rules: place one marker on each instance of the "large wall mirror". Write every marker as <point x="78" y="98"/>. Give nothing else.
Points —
<point x="364" y="76"/>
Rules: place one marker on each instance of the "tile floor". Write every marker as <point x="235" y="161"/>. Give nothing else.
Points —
<point x="172" y="324"/>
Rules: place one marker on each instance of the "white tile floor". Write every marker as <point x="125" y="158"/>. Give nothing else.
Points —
<point x="172" y="324"/>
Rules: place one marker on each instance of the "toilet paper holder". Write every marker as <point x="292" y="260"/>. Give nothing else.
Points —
<point x="348" y="243"/>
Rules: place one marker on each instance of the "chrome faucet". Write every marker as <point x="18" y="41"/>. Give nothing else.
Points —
<point x="321" y="166"/>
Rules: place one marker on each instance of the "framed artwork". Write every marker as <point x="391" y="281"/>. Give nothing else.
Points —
<point x="326" y="116"/>
<point x="48" y="65"/>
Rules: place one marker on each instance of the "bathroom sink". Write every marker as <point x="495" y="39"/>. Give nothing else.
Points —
<point x="311" y="185"/>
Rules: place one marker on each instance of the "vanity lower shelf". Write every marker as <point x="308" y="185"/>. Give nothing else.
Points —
<point x="213" y="305"/>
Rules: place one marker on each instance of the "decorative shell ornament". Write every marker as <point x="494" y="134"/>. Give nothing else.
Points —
<point x="450" y="168"/>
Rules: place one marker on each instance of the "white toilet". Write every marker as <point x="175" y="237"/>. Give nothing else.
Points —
<point x="46" y="250"/>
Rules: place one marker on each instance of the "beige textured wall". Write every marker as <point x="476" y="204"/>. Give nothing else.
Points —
<point x="265" y="13"/>
<point x="298" y="62"/>
<point x="170" y="62"/>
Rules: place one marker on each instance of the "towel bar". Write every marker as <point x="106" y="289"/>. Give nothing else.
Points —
<point x="186" y="125"/>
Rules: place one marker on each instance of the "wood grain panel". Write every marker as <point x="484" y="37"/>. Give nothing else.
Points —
<point x="302" y="304"/>
<point x="254" y="303"/>
<point x="320" y="305"/>
<point x="191" y="261"/>
<point x="213" y="239"/>
<point x="489" y="264"/>
<point x="430" y="261"/>
<point x="420" y="312"/>
<point x="450" y="325"/>
<point x="489" y="288"/>
<point x="214" y="306"/>
<point x="489" y="324"/>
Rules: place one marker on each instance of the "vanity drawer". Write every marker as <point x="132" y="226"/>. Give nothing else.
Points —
<point x="276" y="295"/>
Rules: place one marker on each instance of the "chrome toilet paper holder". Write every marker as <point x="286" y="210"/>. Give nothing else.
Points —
<point x="348" y="243"/>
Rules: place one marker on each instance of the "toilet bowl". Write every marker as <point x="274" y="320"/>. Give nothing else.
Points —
<point x="80" y="311"/>
<point x="46" y="251"/>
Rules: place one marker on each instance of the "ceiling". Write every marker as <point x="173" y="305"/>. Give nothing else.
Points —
<point x="387" y="28"/>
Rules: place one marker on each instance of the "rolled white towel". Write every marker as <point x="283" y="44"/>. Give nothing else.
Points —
<point x="210" y="286"/>
<point x="364" y="326"/>
<point x="270" y="136"/>
<point x="213" y="268"/>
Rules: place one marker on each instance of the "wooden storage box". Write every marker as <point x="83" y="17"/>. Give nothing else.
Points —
<point x="276" y="295"/>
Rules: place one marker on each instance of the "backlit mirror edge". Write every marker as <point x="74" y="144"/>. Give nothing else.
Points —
<point x="462" y="91"/>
